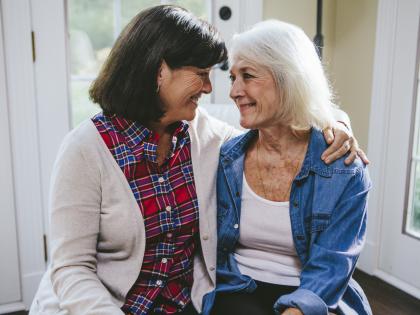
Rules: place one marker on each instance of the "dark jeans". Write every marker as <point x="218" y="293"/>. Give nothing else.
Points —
<point x="259" y="302"/>
<point x="189" y="310"/>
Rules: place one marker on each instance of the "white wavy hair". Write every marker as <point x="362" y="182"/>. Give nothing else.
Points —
<point x="290" y="56"/>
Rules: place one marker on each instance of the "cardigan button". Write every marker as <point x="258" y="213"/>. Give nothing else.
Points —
<point x="205" y="237"/>
<point x="235" y="226"/>
<point x="212" y="268"/>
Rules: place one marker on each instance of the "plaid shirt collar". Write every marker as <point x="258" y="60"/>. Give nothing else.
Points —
<point x="144" y="141"/>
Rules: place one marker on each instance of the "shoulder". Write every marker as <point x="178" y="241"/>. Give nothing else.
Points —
<point x="236" y="142"/>
<point x="83" y="142"/>
<point x="318" y="145"/>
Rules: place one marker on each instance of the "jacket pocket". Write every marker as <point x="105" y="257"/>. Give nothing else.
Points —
<point x="317" y="222"/>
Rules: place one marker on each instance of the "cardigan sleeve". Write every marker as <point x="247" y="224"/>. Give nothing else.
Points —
<point x="75" y="217"/>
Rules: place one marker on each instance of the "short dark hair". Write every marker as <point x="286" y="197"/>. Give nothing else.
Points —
<point x="127" y="82"/>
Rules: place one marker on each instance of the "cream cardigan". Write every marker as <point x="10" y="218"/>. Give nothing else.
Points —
<point x="97" y="234"/>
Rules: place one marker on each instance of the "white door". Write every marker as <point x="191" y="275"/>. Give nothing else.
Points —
<point x="10" y="290"/>
<point x="394" y="143"/>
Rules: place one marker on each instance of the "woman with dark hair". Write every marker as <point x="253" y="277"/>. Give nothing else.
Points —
<point x="133" y="205"/>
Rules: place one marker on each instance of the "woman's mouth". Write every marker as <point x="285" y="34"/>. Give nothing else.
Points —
<point x="195" y="99"/>
<point x="246" y="106"/>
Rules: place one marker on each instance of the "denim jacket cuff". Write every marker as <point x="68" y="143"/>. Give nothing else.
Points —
<point x="308" y="302"/>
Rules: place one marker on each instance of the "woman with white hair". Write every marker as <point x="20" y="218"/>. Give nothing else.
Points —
<point x="290" y="227"/>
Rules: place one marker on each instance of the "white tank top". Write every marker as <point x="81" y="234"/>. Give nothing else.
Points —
<point x="265" y="249"/>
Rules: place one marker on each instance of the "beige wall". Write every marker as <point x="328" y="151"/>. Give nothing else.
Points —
<point x="352" y="67"/>
<point x="303" y="14"/>
<point x="349" y="36"/>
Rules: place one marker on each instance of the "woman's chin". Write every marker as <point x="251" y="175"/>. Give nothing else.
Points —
<point x="190" y="115"/>
<point x="245" y="123"/>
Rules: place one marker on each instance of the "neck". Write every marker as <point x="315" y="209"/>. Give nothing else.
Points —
<point x="160" y="128"/>
<point x="281" y="138"/>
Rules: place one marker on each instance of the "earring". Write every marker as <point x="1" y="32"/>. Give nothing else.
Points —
<point x="158" y="89"/>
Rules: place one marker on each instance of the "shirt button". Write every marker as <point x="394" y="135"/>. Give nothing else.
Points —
<point x="182" y="303"/>
<point x="205" y="237"/>
<point x="161" y="179"/>
<point x="168" y="208"/>
<point x="169" y="235"/>
<point x="235" y="226"/>
<point x="159" y="282"/>
<point x="225" y="249"/>
<point x="295" y="204"/>
<point x="164" y="260"/>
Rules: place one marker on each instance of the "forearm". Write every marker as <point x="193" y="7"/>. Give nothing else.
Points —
<point x="81" y="292"/>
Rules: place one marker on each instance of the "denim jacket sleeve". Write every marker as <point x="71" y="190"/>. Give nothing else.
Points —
<point x="333" y="252"/>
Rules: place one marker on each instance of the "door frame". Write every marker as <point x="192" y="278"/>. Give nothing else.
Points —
<point x="11" y="282"/>
<point x="24" y="142"/>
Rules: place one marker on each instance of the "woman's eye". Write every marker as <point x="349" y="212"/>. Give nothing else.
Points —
<point x="247" y="76"/>
<point x="231" y="78"/>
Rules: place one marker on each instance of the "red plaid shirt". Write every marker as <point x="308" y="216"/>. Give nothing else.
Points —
<point x="168" y="203"/>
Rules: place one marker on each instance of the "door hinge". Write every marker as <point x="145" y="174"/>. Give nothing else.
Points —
<point x="45" y="248"/>
<point x="33" y="46"/>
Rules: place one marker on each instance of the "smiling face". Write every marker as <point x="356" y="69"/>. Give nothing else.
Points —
<point x="255" y="93"/>
<point x="180" y="90"/>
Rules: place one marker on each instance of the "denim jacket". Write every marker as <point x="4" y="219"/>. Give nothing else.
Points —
<point x="328" y="218"/>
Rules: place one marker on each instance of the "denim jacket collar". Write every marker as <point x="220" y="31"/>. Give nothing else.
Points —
<point x="312" y="161"/>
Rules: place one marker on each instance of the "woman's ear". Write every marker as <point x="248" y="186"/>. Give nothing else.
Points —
<point x="163" y="73"/>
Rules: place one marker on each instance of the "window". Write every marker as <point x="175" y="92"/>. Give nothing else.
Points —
<point x="412" y="219"/>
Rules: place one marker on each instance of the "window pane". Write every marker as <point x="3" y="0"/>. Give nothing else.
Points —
<point x="413" y="214"/>
<point x="91" y="34"/>
<point x="413" y="219"/>
<point x="82" y="107"/>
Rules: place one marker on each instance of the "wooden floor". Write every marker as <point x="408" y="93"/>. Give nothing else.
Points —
<point x="384" y="298"/>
